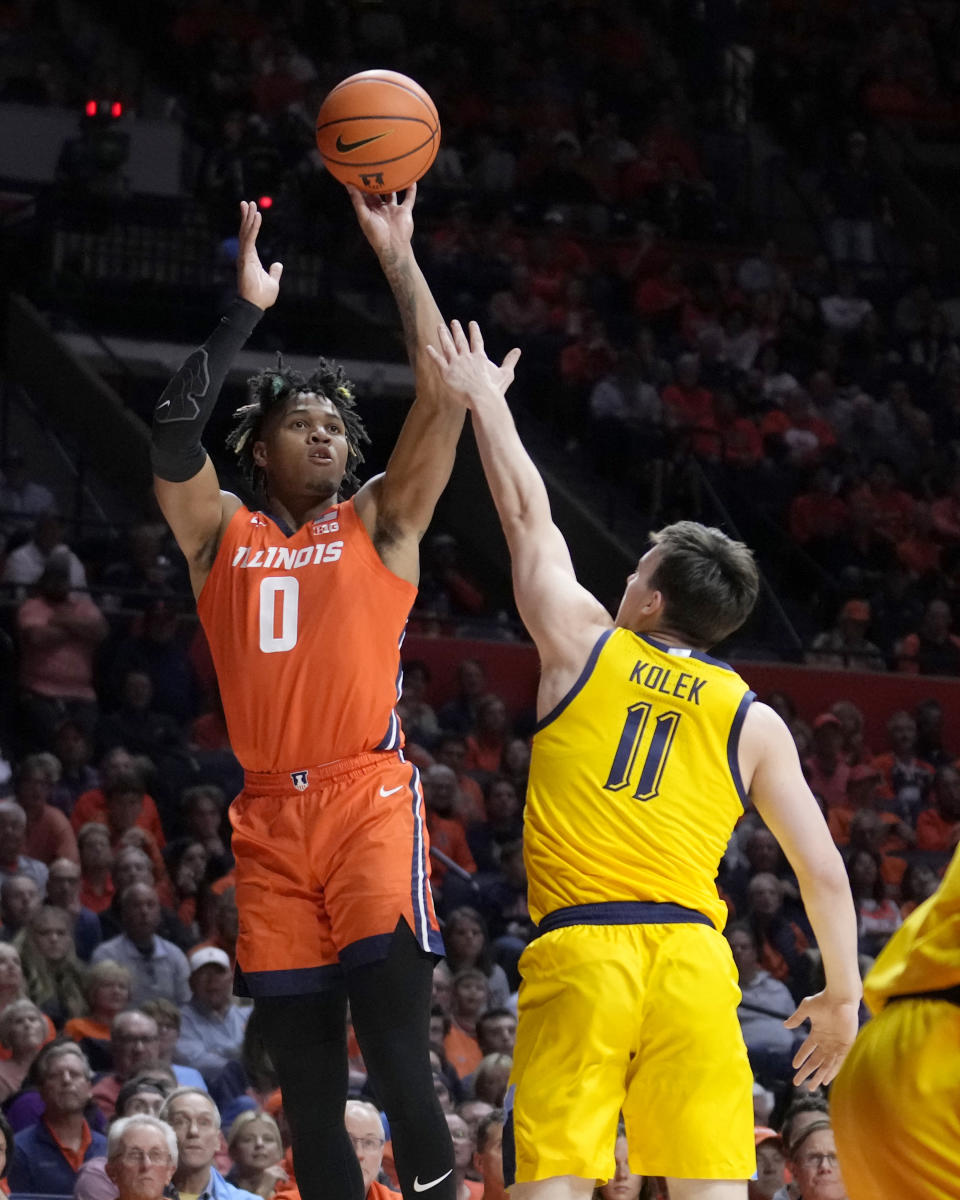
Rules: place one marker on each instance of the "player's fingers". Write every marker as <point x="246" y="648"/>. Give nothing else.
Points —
<point x="410" y="197"/>
<point x="437" y="357"/>
<point x="446" y="342"/>
<point x="511" y="359"/>
<point x="276" y="270"/>
<point x="357" y="199"/>
<point x="476" y="337"/>
<point x="798" y="1016"/>
<point x="459" y="337"/>
<point x="808" y="1047"/>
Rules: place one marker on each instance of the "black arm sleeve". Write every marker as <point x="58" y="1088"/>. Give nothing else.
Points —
<point x="184" y="408"/>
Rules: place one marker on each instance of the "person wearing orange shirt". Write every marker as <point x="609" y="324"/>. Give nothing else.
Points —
<point x="451" y="751"/>
<point x="485" y="746"/>
<point x="892" y="507"/>
<point x="688" y="406"/>
<point x="97" y="888"/>
<point x="938" y="827"/>
<point x="122" y="778"/>
<point x="447" y="833"/>
<point x="304" y="598"/>
<point x="365" y="1130"/>
<point x="49" y="834"/>
<point x="864" y="794"/>
<point x="463" y="1148"/>
<point x="905" y="777"/>
<point x="470" y="997"/>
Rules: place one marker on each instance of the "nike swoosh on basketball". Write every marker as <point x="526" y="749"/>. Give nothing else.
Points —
<point x="384" y="793"/>
<point x="425" y="1187"/>
<point x="345" y="147"/>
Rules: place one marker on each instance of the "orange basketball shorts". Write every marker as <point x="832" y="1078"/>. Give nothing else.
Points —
<point x="329" y="860"/>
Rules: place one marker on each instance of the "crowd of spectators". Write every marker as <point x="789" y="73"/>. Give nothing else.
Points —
<point x="118" y="920"/>
<point x="587" y="205"/>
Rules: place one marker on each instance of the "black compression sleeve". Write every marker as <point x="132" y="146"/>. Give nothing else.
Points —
<point x="184" y="408"/>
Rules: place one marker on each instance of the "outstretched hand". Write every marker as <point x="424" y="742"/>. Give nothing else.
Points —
<point x="833" y="1027"/>
<point x="254" y="284"/>
<point x="464" y="366"/>
<point x="387" y="223"/>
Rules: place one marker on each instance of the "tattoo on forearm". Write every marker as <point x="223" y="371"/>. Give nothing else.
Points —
<point x="400" y="278"/>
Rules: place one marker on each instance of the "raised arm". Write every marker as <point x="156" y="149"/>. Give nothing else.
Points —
<point x="185" y="480"/>
<point x="397" y="507"/>
<point x="771" y="768"/>
<point x="561" y="616"/>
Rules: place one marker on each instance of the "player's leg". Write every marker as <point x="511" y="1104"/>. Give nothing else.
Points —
<point x="689" y="1106"/>
<point x="390" y="1010"/>
<point x="287" y="961"/>
<point x="707" y="1189"/>
<point x="306" y="1038"/>
<point x="575" y="1039"/>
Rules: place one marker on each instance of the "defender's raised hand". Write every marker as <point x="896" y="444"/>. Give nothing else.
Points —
<point x="464" y="366"/>
<point x="255" y="284"/>
<point x="387" y="224"/>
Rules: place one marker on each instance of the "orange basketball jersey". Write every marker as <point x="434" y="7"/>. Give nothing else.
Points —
<point x="305" y="633"/>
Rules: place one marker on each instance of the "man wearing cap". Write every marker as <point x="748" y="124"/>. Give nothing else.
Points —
<point x="825" y="769"/>
<point x="845" y="647"/>
<point x="212" y="1028"/>
<point x="770" y="1164"/>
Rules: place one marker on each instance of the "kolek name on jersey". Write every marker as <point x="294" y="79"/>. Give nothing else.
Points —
<point x="287" y="557"/>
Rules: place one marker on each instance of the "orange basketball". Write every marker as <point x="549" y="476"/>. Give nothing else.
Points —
<point x="378" y="130"/>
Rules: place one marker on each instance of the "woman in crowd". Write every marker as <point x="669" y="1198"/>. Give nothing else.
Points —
<point x="204" y="807"/>
<point x="486" y="745"/>
<point x="53" y="974"/>
<point x="186" y="862"/>
<point x="503" y="823"/>
<point x="468" y="945"/>
<point x="96" y="860"/>
<point x="919" y="882"/>
<point x="107" y="992"/>
<point x="256" y="1149"/>
<point x="23" y="1031"/>
<point x="877" y="915"/>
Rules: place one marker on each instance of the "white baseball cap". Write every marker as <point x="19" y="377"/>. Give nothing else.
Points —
<point x="206" y="955"/>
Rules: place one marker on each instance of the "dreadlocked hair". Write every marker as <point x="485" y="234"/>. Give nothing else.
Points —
<point x="268" y="392"/>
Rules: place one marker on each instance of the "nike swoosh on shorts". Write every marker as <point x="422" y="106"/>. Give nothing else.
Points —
<point x="384" y="793"/>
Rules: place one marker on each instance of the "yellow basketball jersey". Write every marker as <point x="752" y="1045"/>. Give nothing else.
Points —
<point x="924" y="954"/>
<point x="634" y="780"/>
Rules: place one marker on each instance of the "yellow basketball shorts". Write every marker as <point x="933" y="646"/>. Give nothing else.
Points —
<point x="895" y="1105"/>
<point x="634" y="1018"/>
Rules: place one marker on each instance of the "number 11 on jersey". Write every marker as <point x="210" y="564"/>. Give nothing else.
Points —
<point x="628" y="749"/>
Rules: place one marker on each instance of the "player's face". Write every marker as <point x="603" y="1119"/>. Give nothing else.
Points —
<point x="641" y="605"/>
<point x="305" y="450"/>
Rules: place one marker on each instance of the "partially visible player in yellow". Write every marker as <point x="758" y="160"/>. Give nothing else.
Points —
<point x="896" y="1104"/>
<point x="645" y="752"/>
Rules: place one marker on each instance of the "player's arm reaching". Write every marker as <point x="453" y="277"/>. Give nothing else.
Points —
<point x="560" y="615"/>
<point x="397" y="507"/>
<point x="184" y="477"/>
<point x="771" y="769"/>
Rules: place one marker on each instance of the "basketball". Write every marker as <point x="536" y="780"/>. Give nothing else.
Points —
<point x="378" y="130"/>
